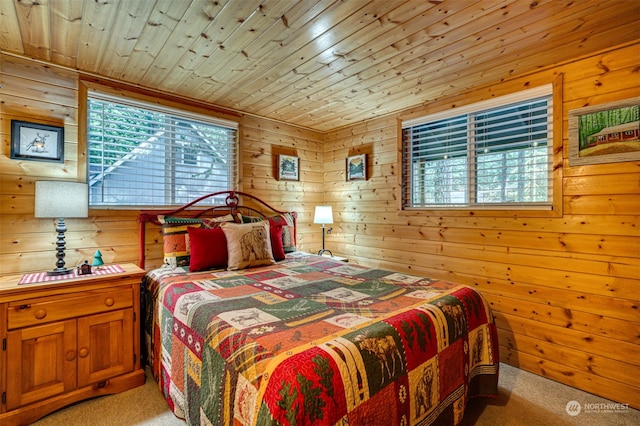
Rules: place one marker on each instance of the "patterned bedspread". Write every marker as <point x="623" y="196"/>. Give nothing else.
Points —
<point x="314" y="341"/>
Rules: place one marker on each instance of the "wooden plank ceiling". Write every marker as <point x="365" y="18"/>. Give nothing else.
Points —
<point x="321" y="64"/>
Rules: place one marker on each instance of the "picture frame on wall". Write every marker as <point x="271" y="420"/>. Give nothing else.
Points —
<point x="37" y="142"/>
<point x="288" y="167"/>
<point x="357" y="167"/>
<point x="605" y="133"/>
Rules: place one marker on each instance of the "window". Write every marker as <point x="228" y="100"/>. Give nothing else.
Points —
<point x="492" y="154"/>
<point x="145" y="155"/>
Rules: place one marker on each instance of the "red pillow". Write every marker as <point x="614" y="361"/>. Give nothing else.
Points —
<point x="277" y="246"/>
<point x="208" y="249"/>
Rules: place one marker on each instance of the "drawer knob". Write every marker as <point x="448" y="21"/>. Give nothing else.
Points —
<point x="83" y="352"/>
<point x="109" y="301"/>
<point x="70" y="355"/>
<point x="40" y="314"/>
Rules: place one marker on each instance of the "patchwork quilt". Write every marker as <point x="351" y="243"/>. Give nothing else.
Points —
<point x="310" y="340"/>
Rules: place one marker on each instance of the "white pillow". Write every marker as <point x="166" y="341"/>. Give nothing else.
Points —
<point x="248" y="244"/>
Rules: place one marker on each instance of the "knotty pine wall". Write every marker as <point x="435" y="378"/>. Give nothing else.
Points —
<point x="565" y="288"/>
<point x="34" y="92"/>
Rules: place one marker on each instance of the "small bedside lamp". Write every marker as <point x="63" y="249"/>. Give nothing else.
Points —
<point x="58" y="199"/>
<point x="324" y="216"/>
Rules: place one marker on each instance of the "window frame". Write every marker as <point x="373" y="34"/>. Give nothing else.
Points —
<point x="439" y="110"/>
<point x="155" y="102"/>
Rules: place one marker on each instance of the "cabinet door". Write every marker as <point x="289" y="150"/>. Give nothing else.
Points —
<point x="41" y="361"/>
<point x="105" y="346"/>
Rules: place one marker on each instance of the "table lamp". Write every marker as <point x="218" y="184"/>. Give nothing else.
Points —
<point x="324" y="216"/>
<point x="59" y="199"/>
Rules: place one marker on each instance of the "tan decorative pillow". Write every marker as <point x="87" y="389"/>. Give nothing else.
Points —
<point x="213" y="221"/>
<point x="248" y="244"/>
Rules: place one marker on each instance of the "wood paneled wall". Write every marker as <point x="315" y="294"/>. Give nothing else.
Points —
<point x="565" y="289"/>
<point x="33" y="92"/>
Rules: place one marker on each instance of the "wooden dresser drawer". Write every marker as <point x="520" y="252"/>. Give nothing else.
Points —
<point x="42" y="310"/>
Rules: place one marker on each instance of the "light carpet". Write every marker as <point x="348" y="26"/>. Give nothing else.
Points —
<point x="525" y="399"/>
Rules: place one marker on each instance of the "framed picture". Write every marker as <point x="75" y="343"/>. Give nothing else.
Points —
<point x="357" y="167"/>
<point x="288" y="167"/>
<point x="605" y="133"/>
<point x="37" y="142"/>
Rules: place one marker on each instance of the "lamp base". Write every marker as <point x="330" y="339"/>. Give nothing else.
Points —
<point x="323" y="250"/>
<point x="59" y="271"/>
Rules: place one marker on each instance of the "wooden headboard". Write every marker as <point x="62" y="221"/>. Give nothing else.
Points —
<point x="250" y="205"/>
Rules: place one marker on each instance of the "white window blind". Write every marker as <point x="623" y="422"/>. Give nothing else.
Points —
<point x="496" y="154"/>
<point x="147" y="155"/>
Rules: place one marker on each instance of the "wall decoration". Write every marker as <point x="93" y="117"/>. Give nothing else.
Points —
<point x="97" y="259"/>
<point x="605" y="133"/>
<point x="357" y="167"/>
<point x="37" y="142"/>
<point x="288" y="167"/>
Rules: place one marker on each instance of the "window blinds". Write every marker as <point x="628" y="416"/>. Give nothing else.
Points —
<point x="497" y="154"/>
<point x="147" y="155"/>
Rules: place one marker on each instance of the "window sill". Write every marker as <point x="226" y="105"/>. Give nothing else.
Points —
<point x="483" y="211"/>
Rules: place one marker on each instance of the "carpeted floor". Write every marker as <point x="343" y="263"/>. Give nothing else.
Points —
<point x="528" y="399"/>
<point x="525" y="399"/>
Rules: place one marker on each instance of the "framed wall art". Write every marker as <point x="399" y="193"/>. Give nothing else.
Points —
<point x="605" y="133"/>
<point x="37" y="142"/>
<point x="357" y="167"/>
<point x="288" y="167"/>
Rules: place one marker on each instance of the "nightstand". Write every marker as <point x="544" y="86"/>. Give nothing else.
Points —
<point x="67" y="340"/>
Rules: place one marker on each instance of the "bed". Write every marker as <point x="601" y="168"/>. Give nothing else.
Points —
<point x="304" y="339"/>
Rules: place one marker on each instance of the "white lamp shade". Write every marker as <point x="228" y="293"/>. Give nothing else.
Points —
<point x="59" y="199"/>
<point x="323" y="215"/>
